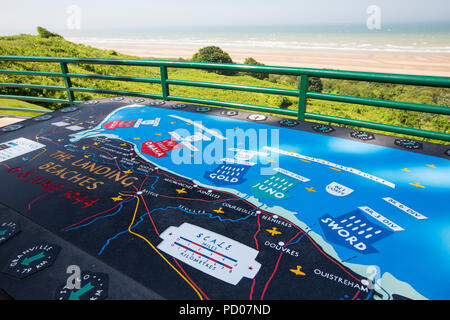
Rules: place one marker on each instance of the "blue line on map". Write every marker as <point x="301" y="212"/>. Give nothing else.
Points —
<point x="141" y="219"/>
<point x="101" y="217"/>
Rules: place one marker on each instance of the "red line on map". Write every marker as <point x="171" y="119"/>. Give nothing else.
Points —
<point x="276" y="267"/>
<point x="140" y="188"/>
<point x="187" y="276"/>
<point x="35" y="199"/>
<point x="95" y="215"/>
<point x="356" y="295"/>
<point x="256" y="233"/>
<point x="150" y="217"/>
<point x="251" y="289"/>
<point x="262" y="211"/>
<point x="170" y="197"/>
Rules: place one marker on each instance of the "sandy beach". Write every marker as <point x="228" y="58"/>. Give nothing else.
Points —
<point x="434" y="64"/>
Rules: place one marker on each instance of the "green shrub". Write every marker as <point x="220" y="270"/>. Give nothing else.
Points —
<point x="44" y="33"/>
<point x="214" y="54"/>
<point x="257" y="75"/>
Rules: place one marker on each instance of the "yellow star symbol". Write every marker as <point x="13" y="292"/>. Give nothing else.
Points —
<point x="183" y="190"/>
<point x="297" y="271"/>
<point x="416" y="184"/>
<point x="273" y="231"/>
<point x="218" y="210"/>
<point x="127" y="171"/>
<point x="96" y="143"/>
<point x="118" y="198"/>
<point x="310" y="189"/>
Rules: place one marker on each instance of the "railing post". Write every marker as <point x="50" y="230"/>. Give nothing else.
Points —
<point x="164" y="84"/>
<point x="303" y="88"/>
<point x="67" y="82"/>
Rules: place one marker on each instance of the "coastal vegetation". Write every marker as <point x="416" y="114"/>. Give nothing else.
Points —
<point x="47" y="43"/>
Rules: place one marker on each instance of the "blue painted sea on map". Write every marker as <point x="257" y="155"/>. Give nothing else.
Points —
<point x="415" y="248"/>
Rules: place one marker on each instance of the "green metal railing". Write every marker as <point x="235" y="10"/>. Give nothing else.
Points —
<point x="302" y="93"/>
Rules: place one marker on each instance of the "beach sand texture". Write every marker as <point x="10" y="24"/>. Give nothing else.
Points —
<point x="433" y="64"/>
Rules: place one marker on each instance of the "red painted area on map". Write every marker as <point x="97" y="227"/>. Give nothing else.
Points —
<point x="158" y="149"/>
<point x="119" y="124"/>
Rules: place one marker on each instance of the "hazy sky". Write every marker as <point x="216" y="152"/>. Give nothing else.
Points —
<point x="25" y="15"/>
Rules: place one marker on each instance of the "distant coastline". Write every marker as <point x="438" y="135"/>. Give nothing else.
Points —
<point x="343" y="58"/>
<point x="409" y="49"/>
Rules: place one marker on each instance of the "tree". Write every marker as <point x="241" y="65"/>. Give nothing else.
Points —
<point x="216" y="55"/>
<point x="315" y="84"/>
<point x="257" y="75"/>
<point x="44" y="33"/>
<point x="279" y="101"/>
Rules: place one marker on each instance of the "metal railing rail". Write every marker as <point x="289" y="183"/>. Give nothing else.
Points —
<point x="302" y="92"/>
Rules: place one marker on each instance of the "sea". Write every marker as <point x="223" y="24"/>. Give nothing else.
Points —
<point x="405" y="38"/>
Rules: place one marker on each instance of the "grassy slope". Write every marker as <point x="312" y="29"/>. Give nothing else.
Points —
<point x="19" y="104"/>
<point x="28" y="45"/>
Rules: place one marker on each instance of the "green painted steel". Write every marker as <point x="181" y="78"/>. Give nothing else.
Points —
<point x="303" y="89"/>
<point x="302" y="93"/>
<point x="379" y="126"/>
<point x="234" y="105"/>
<point x="380" y="103"/>
<point x="67" y="82"/>
<point x="26" y="109"/>
<point x="164" y="85"/>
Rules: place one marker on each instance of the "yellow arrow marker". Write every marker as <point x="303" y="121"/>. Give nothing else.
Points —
<point x="181" y="190"/>
<point x="158" y="134"/>
<point x="310" y="189"/>
<point x="431" y="165"/>
<point x="123" y="144"/>
<point x="96" y="143"/>
<point x="273" y="231"/>
<point x="416" y="184"/>
<point x="84" y="147"/>
<point x="405" y="169"/>
<point x="297" y="271"/>
<point x="127" y="171"/>
<point x="118" y="198"/>
<point x="218" y="210"/>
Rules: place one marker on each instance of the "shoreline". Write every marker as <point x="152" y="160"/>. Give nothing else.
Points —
<point x="431" y="64"/>
<point x="391" y="285"/>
